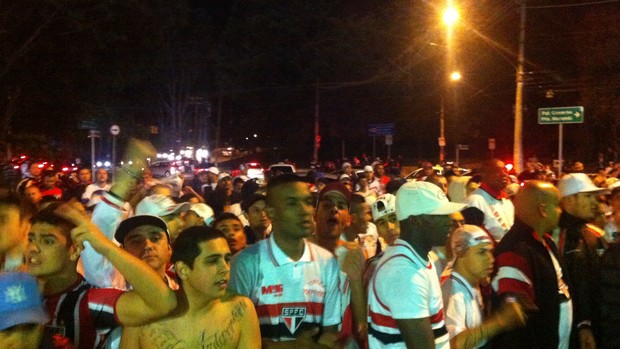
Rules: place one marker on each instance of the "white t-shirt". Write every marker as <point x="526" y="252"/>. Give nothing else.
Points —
<point x="463" y="305"/>
<point x="92" y="189"/>
<point x="499" y="215"/>
<point x="404" y="286"/>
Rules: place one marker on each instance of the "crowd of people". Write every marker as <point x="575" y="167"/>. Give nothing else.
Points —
<point x="367" y="260"/>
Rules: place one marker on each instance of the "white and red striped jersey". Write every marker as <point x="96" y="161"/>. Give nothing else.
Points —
<point x="289" y="296"/>
<point x="404" y="286"/>
<point x="83" y="314"/>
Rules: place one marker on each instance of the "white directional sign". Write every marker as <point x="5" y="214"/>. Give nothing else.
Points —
<point x="115" y="130"/>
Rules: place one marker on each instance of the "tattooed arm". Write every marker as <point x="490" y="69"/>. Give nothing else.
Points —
<point x="250" y="331"/>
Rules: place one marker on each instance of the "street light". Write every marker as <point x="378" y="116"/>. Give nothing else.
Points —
<point x="450" y="16"/>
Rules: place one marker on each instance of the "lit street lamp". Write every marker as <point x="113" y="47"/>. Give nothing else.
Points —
<point x="450" y="16"/>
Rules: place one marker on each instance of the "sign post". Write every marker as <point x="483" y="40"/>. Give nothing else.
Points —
<point x="460" y="147"/>
<point x="92" y="134"/>
<point x="375" y="130"/>
<point x="560" y="116"/>
<point x="492" y="147"/>
<point x="114" y="130"/>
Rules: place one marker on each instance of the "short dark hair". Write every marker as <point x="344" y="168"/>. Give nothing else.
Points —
<point x="12" y="200"/>
<point x="47" y="216"/>
<point x="224" y="216"/>
<point x="48" y="173"/>
<point x="283" y="179"/>
<point x="185" y="247"/>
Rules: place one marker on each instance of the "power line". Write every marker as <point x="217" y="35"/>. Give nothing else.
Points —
<point x="573" y="5"/>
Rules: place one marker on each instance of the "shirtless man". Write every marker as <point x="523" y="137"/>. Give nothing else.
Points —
<point x="207" y="316"/>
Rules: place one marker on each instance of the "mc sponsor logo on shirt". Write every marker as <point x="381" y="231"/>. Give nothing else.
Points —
<point x="293" y="317"/>
<point x="275" y="290"/>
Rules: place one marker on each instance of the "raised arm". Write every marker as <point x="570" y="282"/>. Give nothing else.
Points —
<point x="150" y="298"/>
<point x="111" y="211"/>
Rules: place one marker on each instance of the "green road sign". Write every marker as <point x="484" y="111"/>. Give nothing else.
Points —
<point x="562" y="115"/>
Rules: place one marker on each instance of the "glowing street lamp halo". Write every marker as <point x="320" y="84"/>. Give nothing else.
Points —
<point x="450" y="16"/>
<point x="455" y="76"/>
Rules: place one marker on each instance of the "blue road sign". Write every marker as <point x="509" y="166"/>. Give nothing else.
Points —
<point x="381" y="129"/>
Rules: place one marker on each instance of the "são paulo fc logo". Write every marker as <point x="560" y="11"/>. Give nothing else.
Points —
<point x="293" y="317"/>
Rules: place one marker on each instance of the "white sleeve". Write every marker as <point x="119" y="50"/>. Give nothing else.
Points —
<point x="88" y="192"/>
<point x="98" y="271"/>
<point x="333" y="297"/>
<point x="455" y="311"/>
<point x="475" y="200"/>
<point x="243" y="272"/>
<point x="406" y="297"/>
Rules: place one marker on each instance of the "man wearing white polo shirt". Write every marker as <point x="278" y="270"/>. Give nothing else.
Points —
<point x="405" y="300"/>
<point x="292" y="282"/>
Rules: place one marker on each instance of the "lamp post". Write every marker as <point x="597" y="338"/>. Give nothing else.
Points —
<point x="450" y="16"/>
<point x="454" y="76"/>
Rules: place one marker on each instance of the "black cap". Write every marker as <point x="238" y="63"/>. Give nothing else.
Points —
<point x="132" y="223"/>
<point x="249" y="187"/>
<point x="251" y="200"/>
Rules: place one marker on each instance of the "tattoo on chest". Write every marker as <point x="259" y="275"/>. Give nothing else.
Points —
<point x="165" y="339"/>
<point x="223" y="337"/>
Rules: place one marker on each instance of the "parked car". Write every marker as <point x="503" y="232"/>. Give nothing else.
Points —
<point x="280" y="168"/>
<point x="251" y="169"/>
<point x="164" y="168"/>
<point x="439" y="170"/>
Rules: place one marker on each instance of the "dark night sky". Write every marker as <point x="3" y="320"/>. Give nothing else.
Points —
<point x="373" y="60"/>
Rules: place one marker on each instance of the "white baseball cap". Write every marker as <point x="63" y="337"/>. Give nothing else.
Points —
<point x="213" y="170"/>
<point x="204" y="211"/>
<point x="345" y="165"/>
<point x="385" y="205"/>
<point x="223" y="175"/>
<point x="368" y="168"/>
<point x="575" y="183"/>
<point x="419" y="198"/>
<point x="160" y="205"/>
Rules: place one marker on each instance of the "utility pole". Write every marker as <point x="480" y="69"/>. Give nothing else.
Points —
<point x="518" y="140"/>
<point x="92" y="134"/>
<point x="317" y="136"/>
<point x="442" y="132"/>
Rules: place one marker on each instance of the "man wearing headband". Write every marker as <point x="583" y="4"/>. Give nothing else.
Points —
<point x="472" y="249"/>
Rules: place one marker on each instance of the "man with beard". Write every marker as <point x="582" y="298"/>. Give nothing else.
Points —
<point x="529" y="271"/>
<point x="404" y="299"/>
<point x="491" y="199"/>
<point x="580" y="244"/>
<point x="146" y="237"/>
